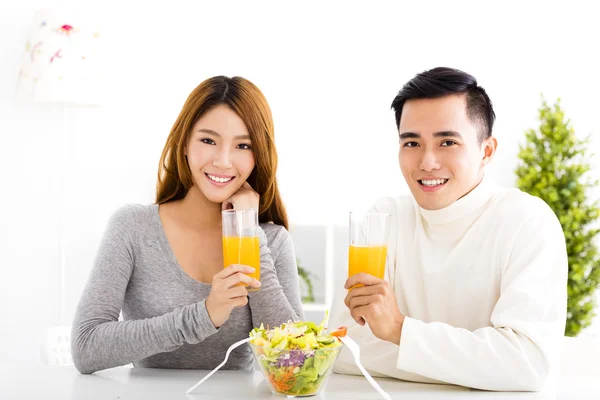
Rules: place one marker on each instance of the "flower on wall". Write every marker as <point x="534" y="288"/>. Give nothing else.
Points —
<point x="65" y="30"/>
<point x="61" y="62"/>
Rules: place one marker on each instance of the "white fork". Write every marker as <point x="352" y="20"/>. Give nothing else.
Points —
<point x="355" y="350"/>
<point x="233" y="346"/>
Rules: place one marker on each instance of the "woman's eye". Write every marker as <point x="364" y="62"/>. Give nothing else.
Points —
<point x="244" y="146"/>
<point x="411" y="144"/>
<point x="447" y="143"/>
<point x="207" y="141"/>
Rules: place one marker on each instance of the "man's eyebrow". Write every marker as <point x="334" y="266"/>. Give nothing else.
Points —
<point x="214" y="133"/>
<point x="447" y="134"/>
<point x="409" y="135"/>
<point x="413" y="135"/>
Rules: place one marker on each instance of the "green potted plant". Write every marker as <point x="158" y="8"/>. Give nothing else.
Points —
<point x="305" y="278"/>
<point x="554" y="166"/>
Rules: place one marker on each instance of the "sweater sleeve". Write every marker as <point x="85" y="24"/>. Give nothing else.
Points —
<point x="278" y="299"/>
<point x="98" y="339"/>
<point x="521" y="347"/>
<point x="518" y="350"/>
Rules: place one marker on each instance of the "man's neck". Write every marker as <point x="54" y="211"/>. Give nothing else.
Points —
<point x="478" y="180"/>
<point x="463" y="210"/>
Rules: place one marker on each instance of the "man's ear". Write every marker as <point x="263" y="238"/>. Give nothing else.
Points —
<point x="489" y="149"/>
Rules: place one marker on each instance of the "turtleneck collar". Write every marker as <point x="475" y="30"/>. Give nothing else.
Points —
<point x="461" y="209"/>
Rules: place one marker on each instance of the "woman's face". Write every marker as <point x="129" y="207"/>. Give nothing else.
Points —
<point x="219" y="153"/>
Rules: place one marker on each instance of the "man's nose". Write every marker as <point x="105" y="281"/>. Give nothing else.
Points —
<point x="429" y="162"/>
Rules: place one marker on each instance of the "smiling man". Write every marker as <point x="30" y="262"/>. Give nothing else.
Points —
<point x="475" y="287"/>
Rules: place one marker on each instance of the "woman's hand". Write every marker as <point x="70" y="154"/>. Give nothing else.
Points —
<point x="243" y="199"/>
<point x="225" y="295"/>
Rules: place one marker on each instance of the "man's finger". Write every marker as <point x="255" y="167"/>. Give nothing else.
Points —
<point x="360" y="314"/>
<point x="359" y="301"/>
<point x="366" y="290"/>
<point x="362" y="278"/>
<point x="361" y="291"/>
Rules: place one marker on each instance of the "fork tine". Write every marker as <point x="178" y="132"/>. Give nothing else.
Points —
<point x="355" y="350"/>
<point x="229" y="350"/>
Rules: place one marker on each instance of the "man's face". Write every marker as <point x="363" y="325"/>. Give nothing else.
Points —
<point x="440" y="154"/>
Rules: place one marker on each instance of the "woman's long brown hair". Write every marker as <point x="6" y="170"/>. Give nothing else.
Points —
<point x="247" y="101"/>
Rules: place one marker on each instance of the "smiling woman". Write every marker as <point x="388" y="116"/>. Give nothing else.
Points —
<point x="162" y="264"/>
<point x="238" y="107"/>
<point x="219" y="162"/>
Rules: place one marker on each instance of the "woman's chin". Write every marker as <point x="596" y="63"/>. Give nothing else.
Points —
<point x="216" y="199"/>
<point x="214" y="196"/>
<point x="217" y="194"/>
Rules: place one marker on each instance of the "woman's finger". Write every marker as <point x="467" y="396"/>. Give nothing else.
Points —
<point x="227" y="204"/>
<point x="234" y="269"/>
<point x="240" y="301"/>
<point x="238" y="278"/>
<point x="237" y="291"/>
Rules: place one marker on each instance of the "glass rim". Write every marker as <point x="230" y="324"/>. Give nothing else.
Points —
<point x="236" y="211"/>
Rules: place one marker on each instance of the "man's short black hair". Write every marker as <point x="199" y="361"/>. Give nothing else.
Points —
<point x="442" y="81"/>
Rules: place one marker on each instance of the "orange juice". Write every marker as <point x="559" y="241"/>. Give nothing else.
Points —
<point x="242" y="250"/>
<point x="368" y="259"/>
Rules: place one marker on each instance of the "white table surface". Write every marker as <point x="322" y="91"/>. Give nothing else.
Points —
<point x="52" y="382"/>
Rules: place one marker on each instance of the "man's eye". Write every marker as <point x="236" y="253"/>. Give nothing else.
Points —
<point x="207" y="141"/>
<point x="411" y="144"/>
<point x="244" y="146"/>
<point x="447" y="143"/>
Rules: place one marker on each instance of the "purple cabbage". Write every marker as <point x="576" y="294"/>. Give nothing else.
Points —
<point x="293" y="358"/>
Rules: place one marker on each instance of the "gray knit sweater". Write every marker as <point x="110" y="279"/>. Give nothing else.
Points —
<point x="165" y="322"/>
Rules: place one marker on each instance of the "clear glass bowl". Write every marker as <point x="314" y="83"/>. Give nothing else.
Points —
<point x="296" y="373"/>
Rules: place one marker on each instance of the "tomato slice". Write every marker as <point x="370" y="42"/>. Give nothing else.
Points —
<point x="340" y="332"/>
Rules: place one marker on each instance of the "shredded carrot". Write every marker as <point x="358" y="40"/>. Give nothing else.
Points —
<point x="286" y="382"/>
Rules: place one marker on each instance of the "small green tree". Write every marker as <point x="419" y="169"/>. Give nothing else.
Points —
<point x="554" y="166"/>
<point x="305" y="277"/>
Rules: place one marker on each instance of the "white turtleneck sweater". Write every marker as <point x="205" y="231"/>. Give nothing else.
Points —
<point x="483" y="286"/>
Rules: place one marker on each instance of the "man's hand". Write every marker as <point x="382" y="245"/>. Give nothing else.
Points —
<point x="376" y="304"/>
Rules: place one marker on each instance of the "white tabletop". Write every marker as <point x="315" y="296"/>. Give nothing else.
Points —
<point x="48" y="382"/>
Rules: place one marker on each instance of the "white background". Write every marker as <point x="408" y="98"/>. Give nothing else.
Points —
<point x="329" y="72"/>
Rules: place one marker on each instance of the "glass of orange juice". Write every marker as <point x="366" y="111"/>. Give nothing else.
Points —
<point x="368" y="243"/>
<point x="240" y="240"/>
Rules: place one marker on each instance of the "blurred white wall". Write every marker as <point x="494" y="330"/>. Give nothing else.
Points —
<point x="329" y="70"/>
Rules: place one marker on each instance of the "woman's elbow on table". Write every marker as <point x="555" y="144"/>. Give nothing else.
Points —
<point x="80" y="353"/>
<point x="81" y="362"/>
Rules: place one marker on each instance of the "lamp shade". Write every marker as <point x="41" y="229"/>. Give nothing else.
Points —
<point x="62" y="60"/>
